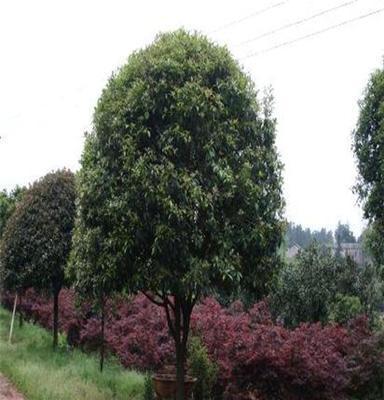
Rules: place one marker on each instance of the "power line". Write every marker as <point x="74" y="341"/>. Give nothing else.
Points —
<point x="301" y="38"/>
<point x="255" y="14"/>
<point x="298" y="22"/>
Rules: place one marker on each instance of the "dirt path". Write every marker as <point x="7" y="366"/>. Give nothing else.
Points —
<point x="7" y="391"/>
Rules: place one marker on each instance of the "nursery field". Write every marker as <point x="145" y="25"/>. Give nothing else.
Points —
<point x="167" y="254"/>
<point x="42" y="375"/>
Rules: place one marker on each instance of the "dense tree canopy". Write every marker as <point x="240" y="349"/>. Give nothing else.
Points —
<point x="180" y="187"/>
<point x="319" y="286"/>
<point x="369" y="151"/>
<point x="37" y="238"/>
<point x="15" y="273"/>
<point x="371" y="240"/>
<point x="305" y="287"/>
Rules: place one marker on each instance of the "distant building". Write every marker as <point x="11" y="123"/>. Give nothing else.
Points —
<point x="293" y="251"/>
<point x="355" y="252"/>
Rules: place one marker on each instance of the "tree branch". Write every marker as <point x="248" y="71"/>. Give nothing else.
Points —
<point x="170" y="324"/>
<point x="170" y="303"/>
<point x="153" y="300"/>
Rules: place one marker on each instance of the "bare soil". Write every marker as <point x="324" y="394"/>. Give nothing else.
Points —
<point x="7" y="391"/>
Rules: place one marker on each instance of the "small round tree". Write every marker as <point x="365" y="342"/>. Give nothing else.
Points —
<point x="92" y="261"/>
<point x="13" y="276"/>
<point x="37" y="238"/>
<point x="180" y="186"/>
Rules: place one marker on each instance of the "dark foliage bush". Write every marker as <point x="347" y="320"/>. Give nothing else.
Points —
<point x="149" y="390"/>
<point x="202" y="368"/>
<point x="256" y="359"/>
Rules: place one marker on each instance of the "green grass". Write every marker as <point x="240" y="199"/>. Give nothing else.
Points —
<point x="41" y="374"/>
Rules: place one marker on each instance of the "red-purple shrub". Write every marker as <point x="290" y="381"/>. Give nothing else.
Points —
<point x="366" y="362"/>
<point x="257" y="359"/>
<point x="255" y="356"/>
<point x="306" y="363"/>
<point x="38" y="308"/>
<point x="138" y="334"/>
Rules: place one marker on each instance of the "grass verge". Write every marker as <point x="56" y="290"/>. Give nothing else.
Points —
<point x="41" y="374"/>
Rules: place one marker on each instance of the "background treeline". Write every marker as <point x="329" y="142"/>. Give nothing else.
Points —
<point x="297" y="234"/>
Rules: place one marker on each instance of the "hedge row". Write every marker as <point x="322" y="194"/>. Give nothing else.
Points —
<point x="257" y="359"/>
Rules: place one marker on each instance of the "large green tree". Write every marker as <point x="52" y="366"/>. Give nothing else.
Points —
<point x="369" y="151"/>
<point x="37" y="238"/>
<point x="180" y="186"/>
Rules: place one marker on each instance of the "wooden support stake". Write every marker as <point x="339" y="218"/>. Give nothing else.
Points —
<point x="13" y="320"/>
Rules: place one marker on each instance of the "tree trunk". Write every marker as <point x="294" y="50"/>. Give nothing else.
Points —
<point x="20" y="311"/>
<point x="180" y="356"/>
<point x="55" y="318"/>
<point x="102" y="347"/>
<point x="182" y="314"/>
<point x="180" y="371"/>
<point x="181" y="310"/>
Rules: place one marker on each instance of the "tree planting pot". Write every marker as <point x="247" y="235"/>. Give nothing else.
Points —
<point x="165" y="385"/>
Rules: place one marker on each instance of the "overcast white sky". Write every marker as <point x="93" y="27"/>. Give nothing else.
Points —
<point x="56" y="56"/>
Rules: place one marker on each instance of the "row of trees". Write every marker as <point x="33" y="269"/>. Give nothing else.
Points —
<point x="179" y="192"/>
